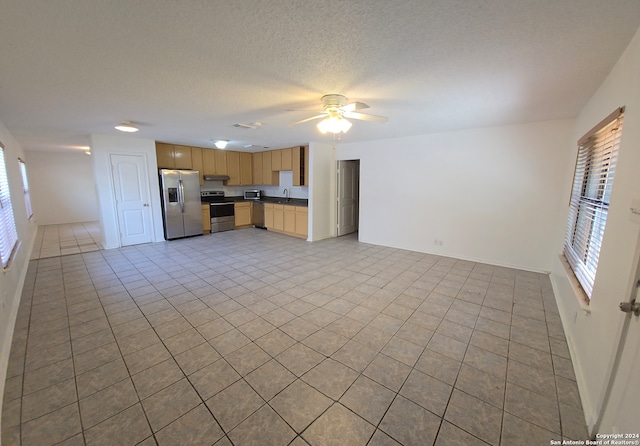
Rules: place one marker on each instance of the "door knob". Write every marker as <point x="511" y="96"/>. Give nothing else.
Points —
<point x="628" y="307"/>
<point x="145" y="205"/>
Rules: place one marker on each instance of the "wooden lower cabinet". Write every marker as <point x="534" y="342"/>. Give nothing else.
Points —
<point x="302" y="221"/>
<point x="268" y="215"/>
<point x="243" y="214"/>
<point x="289" y="220"/>
<point x="278" y="217"/>
<point x="206" y="218"/>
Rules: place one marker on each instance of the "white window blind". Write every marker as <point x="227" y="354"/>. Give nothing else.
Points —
<point x="25" y="188"/>
<point x="8" y="234"/>
<point x="590" y="195"/>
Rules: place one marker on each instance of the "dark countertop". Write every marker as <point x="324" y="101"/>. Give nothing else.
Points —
<point x="276" y="200"/>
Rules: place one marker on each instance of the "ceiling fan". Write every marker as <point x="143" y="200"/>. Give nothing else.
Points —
<point x="336" y="109"/>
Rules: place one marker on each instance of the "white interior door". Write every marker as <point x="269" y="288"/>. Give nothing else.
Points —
<point x="621" y="410"/>
<point x="348" y="179"/>
<point x="132" y="198"/>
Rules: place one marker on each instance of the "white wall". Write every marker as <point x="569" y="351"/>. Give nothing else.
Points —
<point x="63" y="188"/>
<point x="488" y="194"/>
<point x="12" y="278"/>
<point x="102" y="146"/>
<point x="322" y="191"/>
<point x="593" y="337"/>
<point x="286" y="182"/>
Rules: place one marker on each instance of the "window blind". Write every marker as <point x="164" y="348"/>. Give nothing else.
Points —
<point x="8" y="234"/>
<point x="25" y="188"/>
<point x="590" y="196"/>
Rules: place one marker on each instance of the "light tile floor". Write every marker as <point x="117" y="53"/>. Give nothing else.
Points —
<point x="65" y="239"/>
<point x="254" y="338"/>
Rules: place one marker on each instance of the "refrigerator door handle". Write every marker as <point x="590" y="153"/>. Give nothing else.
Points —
<point x="181" y="195"/>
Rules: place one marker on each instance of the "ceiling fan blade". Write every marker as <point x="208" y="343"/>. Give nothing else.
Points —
<point x="308" y="119"/>
<point x="353" y="106"/>
<point x="365" y="117"/>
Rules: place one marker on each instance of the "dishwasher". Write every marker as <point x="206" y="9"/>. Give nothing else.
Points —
<point x="258" y="215"/>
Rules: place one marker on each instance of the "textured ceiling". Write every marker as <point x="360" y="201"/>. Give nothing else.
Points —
<point x="187" y="70"/>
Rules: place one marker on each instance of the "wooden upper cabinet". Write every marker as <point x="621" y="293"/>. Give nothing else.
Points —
<point x="266" y="168"/>
<point x="221" y="162"/>
<point x="287" y="163"/>
<point x="165" y="155"/>
<point x="197" y="162"/>
<point x="300" y="162"/>
<point x="182" y="156"/>
<point x="209" y="161"/>
<point x="276" y="160"/>
<point x="281" y="159"/>
<point x="245" y="168"/>
<point x="233" y="168"/>
<point x="171" y="156"/>
<point x="305" y="173"/>
<point x="256" y="159"/>
<point x="215" y="162"/>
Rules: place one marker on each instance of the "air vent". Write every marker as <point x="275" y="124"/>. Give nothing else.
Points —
<point x="253" y="125"/>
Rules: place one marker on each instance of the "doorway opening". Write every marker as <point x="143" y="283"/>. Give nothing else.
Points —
<point x="348" y="196"/>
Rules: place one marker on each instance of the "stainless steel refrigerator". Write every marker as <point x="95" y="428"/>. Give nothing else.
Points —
<point x="181" y="208"/>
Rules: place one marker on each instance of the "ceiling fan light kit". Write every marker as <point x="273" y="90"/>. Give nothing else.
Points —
<point x="334" y="124"/>
<point x="127" y="127"/>
<point x="335" y="109"/>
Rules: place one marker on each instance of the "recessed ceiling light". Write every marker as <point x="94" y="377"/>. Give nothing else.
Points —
<point x="127" y="126"/>
<point x="221" y="143"/>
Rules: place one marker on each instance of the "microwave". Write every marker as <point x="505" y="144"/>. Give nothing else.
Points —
<point x="252" y="194"/>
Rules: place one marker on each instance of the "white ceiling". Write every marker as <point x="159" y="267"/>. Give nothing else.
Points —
<point x="187" y="70"/>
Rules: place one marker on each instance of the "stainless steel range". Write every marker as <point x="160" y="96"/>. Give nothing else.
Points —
<point x="221" y="211"/>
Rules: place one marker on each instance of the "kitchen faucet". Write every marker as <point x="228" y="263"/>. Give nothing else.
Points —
<point x="286" y="194"/>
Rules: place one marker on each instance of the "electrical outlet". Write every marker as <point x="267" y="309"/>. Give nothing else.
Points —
<point x="437" y="242"/>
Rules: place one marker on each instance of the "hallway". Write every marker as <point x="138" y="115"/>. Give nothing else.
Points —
<point x="66" y="239"/>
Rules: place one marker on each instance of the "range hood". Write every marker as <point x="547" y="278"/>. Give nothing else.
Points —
<point x="216" y="177"/>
